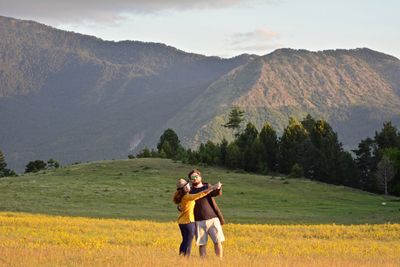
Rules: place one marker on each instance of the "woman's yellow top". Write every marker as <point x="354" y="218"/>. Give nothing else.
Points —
<point x="187" y="207"/>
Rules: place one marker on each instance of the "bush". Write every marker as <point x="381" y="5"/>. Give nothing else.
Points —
<point x="35" y="166"/>
<point x="8" y="173"/>
<point x="145" y="153"/>
<point x="296" y="171"/>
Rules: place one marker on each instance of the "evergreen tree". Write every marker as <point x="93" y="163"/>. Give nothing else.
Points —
<point x="53" y="164"/>
<point x="291" y="149"/>
<point x="325" y="140"/>
<point x="35" y="166"/>
<point x="167" y="150"/>
<point x="365" y="162"/>
<point x="153" y="153"/>
<point x="235" y="119"/>
<point x="3" y="163"/>
<point x="247" y="138"/>
<point x="144" y="153"/>
<point x="348" y="171"/>
<point x="4" y="172"/>
<point x="371" y="151"/>
<point x="192" y="157"/>
<point x="245" y="143"/>
<point x="312" y="161"/>
<point x="181" y="154"/>
<point x="208" y="153"/>
<point x="270" y="147"/>
<point x="253" y="157"/>
<point x="233" y="156"/>
<point x="394" y="155"/>
<point x="223" y="150"/>
<point x="162" y="154"/>
<point x="388" y="137"/>
<point x="309" y="123"/>
<point x="169" y="143"/>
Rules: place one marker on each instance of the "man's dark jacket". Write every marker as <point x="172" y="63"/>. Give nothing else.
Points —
<point x="213" y="203"/>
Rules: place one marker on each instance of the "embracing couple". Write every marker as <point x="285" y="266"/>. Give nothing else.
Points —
<point x="199" y="214"/>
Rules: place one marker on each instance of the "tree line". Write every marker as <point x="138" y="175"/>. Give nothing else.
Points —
<point x="32" y="166"/>
<point x="308" y="148"/>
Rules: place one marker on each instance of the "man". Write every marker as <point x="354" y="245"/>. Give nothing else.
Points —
<point x="207" y="215"/>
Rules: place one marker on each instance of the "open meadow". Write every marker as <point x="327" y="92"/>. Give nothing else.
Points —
<point x="38" y="240"/>
<point x="120" y="213"/>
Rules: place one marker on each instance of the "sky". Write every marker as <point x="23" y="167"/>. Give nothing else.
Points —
<point x="225" y="28"/>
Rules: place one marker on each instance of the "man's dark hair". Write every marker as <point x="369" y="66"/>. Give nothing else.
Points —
<point x="194" y="171"/>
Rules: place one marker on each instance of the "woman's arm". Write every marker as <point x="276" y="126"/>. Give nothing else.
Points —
<point x="203" y="193"/>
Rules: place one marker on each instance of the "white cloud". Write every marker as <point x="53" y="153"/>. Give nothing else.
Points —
<point x="259" y="40"/>
<point x="258" y="35"/>
<point x="63" y="11"/>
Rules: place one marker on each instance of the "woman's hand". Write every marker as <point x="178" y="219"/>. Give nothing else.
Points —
<point x="217" y="186"/>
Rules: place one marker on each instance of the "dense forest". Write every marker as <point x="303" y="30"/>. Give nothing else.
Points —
<point x="308" y="148"/>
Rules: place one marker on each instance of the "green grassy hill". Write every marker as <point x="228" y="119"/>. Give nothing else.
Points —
<point x="143" y="188"/>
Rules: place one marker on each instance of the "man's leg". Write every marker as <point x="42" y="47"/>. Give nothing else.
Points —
<point x="203" y="250"/>
<point x="201" y="237"/>
<point x="218" y="249"/>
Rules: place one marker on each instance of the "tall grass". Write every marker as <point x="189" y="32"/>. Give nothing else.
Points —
<point x="41" y="240"/>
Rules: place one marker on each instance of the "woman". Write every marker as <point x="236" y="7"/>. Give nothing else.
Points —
<point x="186" y="203"/>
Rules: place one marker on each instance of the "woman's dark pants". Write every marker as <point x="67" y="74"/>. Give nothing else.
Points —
<point x="187" y="231"/>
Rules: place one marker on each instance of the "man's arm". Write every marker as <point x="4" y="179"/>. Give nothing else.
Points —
<point x="216" y="192"/>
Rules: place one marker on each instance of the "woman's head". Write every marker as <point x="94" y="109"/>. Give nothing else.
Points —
<point x="183" y="185"/>
<point x="182" y="188"/>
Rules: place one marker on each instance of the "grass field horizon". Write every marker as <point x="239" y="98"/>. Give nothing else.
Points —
<point x="141" y="189"/>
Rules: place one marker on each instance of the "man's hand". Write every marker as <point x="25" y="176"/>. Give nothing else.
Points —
<point x="217" y="186"/>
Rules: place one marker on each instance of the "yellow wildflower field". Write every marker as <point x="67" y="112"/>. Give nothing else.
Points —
<point x="41" y="240"/>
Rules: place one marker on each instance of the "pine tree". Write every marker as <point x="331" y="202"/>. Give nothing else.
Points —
<point x="388" y="137"/>
<point x="53" y="164"/>
<point x="3" y="163"/>
<point x="291" y="147"/>
<point x="394" y="155"/>
<point x="245" y="142"/>
<point x="208" y="153"/>
<point x="235" y="119"/>
<point x="270" y="147"/>
<point x="169" y="143"/>
<point x="144" y="153"/>
<point x="35" y="166"/>
<point x="325" y="140"/>
<point x="233" y="156"/>
<point x="223" y="150"/>
<point x="365" y="162"/>
<point x="4" y="172"/>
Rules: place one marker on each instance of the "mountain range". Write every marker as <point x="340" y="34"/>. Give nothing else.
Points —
<point x="75" y="97"/>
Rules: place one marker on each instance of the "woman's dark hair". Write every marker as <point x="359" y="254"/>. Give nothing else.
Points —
<point x="178" y="195"/>
<point x="194" y="171"/>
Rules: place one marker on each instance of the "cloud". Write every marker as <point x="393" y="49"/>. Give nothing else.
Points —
<point x="257" y="48"/>
<point x="67" y="11"/>
<point x="262" y="39"/>
<point x="258" y="35"/>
